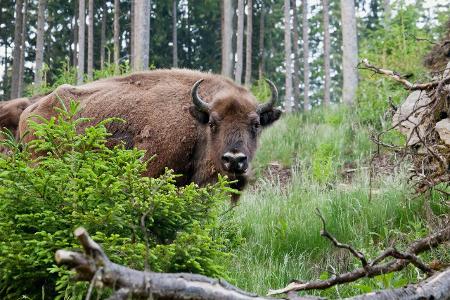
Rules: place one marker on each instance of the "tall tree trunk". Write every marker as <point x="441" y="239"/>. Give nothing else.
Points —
<point x="227" y="37"/>
<point x="103" y="36"/>
<point x="40" y="43"/>
<point x="261" y="41"/>
<point x="240" y="43"/>
<point x="90" y="65"/>
<point x="248" y="50"/>
<point x="75" y="34"/>
<point x="326" y="53"/>
<point x="5" y="73"/>
<point x="288" y="52"/>
<point x="142" y="34"/>
<point x="22" y="49"/>
<point x="387" y="12"/>
<point x="17" y="50"/>
<point x="81" y="40"/>
<point x="132" y="32"/>
<point x="295" y="37"/>
<point x="350" y="51"/>
<point x="305" y="55"/>
<point x="174" y="34"/>
<point x="116" y="36"/>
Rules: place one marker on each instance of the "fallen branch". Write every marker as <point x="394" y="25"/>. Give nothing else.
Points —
<point x="374" y="268"/>
<point x="94" y="266"/>
<point x="407" y="84"/>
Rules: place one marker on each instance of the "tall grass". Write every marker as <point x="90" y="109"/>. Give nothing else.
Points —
<point x="279" y="223"/>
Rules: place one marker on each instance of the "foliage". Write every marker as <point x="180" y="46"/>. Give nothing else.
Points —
<point x="77" y="181"/>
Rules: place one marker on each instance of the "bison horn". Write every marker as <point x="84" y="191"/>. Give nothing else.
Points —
<point x="273" y="99"/>
<point x="197" y="100"/>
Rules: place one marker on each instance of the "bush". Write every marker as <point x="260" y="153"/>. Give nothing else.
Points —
<point x="79" y="181"/>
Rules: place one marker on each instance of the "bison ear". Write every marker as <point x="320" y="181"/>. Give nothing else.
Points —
<point x="200" y="116"/>
<point x="268" y="117"/>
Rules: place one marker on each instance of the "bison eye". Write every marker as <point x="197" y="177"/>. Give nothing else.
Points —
<point x="213" y="126"/>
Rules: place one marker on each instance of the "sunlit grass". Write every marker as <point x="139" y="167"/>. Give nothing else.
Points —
<point x="280" y="224"/>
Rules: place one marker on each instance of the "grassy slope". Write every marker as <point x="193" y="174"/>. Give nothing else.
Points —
<point x="279" y="222"/>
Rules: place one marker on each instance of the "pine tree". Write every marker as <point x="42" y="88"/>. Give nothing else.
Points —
<point x="305" y="27"/>
<point x="295" y="48"/>
<point x="350" y="51"/>
<point x="116" y="35"/>
<point x="103" y="36"/>
<point x="326" y="53"/>
<point x="81" y="40"/>
<point x="239" y="43"/>
<point x="142" y="34"/>
<point x="248" y="50"/>
<point x="40" y="42"/>
<point x="261" y="51"/>
<point x="22" y="49"/>
<point x="17" y="49"/>
<point x="227" y="37"/>
<point x="288" y="52"/>
<point x="90" y="60"/>
<point x="174" y="34"/>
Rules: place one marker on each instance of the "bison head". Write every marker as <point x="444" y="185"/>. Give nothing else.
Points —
<point x="232" y="122"/>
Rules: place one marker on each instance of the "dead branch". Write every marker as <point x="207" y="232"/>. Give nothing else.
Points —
<point x="95" y="266"/>
<point x="374" y="267"/>
<point x="397" y="77"/>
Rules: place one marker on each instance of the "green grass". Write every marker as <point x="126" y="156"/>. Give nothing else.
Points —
<point x="279" y="223"/>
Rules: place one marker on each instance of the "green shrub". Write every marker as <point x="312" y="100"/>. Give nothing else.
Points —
<point x="79" y="181"/>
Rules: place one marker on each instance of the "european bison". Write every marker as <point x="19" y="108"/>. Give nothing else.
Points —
<point x="198" y="124"/>
<point x="10" y="112"/>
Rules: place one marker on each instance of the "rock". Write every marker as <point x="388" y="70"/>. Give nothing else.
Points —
<point x="443" y="129"/>
<point x="415" y="102"/>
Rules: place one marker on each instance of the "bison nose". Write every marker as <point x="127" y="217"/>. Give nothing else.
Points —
<point x="235" y="162"/>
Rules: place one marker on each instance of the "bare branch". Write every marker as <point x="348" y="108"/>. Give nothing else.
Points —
<point x="397" y="77"/>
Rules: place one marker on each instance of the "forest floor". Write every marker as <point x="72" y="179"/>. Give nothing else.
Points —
<point x="322" y="160"/>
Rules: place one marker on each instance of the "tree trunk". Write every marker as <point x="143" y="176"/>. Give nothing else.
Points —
<point x="305" y="55"/>
<point x="296" y="78"/>
<point x="387" y="12"/>
<point x="17" y="50"/>
<point x="240" y="43"/>
<point x="5" y="73"/>
<point x="248" y="55"/>
<point x="103" y="36"/>
<point x="227" y="38"/>
<point x="75" y="34"/>
<point x="326" y="54"/>
<point x="288" y="52"/>
<point x="90" y="66"/>
<point x="40" y="43"/>
<point x="261" y="42"/>
<point x="174" y="34"/>
<point x="22" y="49"/>
<point x="116" y="36"/>
<point x="81" y="40"/>
<point x="349" y="51"/>
<point x="132" y="32"/>
<point x="142" y="34"/>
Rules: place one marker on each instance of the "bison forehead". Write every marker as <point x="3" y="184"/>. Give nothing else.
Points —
<point x="234" y="106"/>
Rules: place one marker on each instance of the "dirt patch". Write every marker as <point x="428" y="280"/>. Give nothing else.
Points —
<point x="277" y="172"/>
<point x="383" y="164"/>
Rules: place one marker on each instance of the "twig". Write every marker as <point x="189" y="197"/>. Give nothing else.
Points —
<point x="397" y="77"/>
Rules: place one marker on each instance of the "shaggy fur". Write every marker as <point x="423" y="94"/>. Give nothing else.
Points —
<point x="161" y="119"/>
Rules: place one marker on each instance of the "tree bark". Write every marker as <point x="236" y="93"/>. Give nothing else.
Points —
<point x="75" y="34"/>
<point x="349" y="51"/>
<point x="326" y="54"/>
<point x="305" y="29"/>
<point x="132" y="33"/>
<point x="387" y="12"/>
<point x="248" y="50"/>
<point x="40" y="43"/>
<point x="261" y="42"/>
<point x="174" y="34"/>
<point x="5" y="73"/>
<point x="90" y="65"/>
<point x="103" y="36"/>
<point x="116" y="36"/>
<point x="17" y="50"/>
<point x="296" y="78"/>
<point x="22" y="49"/>
<point x="227" y="38"/>
<point x="288" y="52"/>
<point x="239" y="43"/>
<point x="142" y="34"/>
<point x="81" y="40"/>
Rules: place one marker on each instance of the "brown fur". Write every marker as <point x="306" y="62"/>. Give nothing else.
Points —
<point x="160" y="118"/>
